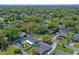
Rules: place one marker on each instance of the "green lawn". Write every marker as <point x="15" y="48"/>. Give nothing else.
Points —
<point x="26" y="46"/>
<point x="9" y="51"/>
<point x="59" y="47"/>
<point x="68" y="50"/>
<point x="76" y="45"/>
<point x="40" y="37"/>
<point x="65" y="40"/>
<point x="37" y="36"/>
<point x="31" y="50"/>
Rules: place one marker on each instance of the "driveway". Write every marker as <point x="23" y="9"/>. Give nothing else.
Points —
<point x="54" y="44"/>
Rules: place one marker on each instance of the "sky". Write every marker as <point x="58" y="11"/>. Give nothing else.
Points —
<point x="27" y="2"/>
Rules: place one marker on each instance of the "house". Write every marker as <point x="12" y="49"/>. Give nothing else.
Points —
<point x="31" y="40"/>
<point x="23" y="35"/>
<point x="49" y="31"/>
<point x="59" y="52"/>
<point x="68" y="29"/>
<point x="61" y="27"/>
<point x="43" y="48"/>
<point x="62" y="34"/>
<point x="76" y="38"/>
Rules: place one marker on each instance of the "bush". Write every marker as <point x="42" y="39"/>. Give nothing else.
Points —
<point x="17" y="51"/>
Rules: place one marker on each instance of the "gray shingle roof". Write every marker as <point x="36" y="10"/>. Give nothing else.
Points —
<point x="61" y="27"/>
<point x="68" y="28"/>
<point x="42" y="48"/>
<point x="31" y="39"/>
<point x="62" y="34"/>
<point x="49" y="31"/>
<point x="76" y="37"/>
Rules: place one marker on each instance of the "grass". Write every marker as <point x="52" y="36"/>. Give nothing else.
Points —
<point x="68" y="50"/>
<point x="9" y="51"/>
<point x="65" y="40"/>
<point x="26" y="46"/>
<point x="59" y="47"/>
<point x="37" y="36"/>
<point x="40" y="37"/>
<point x="30" y="51"/>
<point x="76" y="45"/>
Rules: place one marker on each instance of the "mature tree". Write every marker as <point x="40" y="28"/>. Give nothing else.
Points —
<point x="46" y="39"/>
<point x="18" y="51"/>
<point x="53" y="25"/>
<point x="32" y="27"/>
<point x="3" y="39"/>
<point x="12" y="33"/>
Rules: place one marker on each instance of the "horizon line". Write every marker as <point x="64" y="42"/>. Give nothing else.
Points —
<point x="44" y="4"/>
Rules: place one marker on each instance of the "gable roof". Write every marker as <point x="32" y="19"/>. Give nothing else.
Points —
<point x="31" y="39"/>
<point x="61" y="27"/>
<point x="42" y="48"/>
<point x="62" y="34"/>
<point x="49" y="31"/>
<point x="68" y="28"/>
<point x="59" y="52"/>
<point x="23" y="34"/>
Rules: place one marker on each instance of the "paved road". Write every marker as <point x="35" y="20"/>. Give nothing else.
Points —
<point x="76" y="50"/>
<point x="53" y="45"/>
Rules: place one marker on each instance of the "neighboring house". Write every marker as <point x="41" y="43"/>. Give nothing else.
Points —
<point x="22" y="37"/>
<point x="31" y="40"/>
<point x="62" y="34"/>
<point x="76" y="38"/>
<point x="61" y="27"/>
<point x="49" y="31"/>
<point x="59" y="52"/>
<point x="68" y="29"/>
<point x="43" y="48"/>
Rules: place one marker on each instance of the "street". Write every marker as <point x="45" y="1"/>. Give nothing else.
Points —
<point x="53" y="45"/>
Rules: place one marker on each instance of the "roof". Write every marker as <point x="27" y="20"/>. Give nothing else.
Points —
<point x="61" y="27"/>
<point x="23" y="34"/>
<point x="76" y="37"/>
<point x="59" y="52"/>
<point x="31" y="39"/>
<point x="49" y="31"/>
<point x="68" y="28"/>
<point x="62" y="34"/>
<point x="29" y="42"/>
<point x="42" y="48"/>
